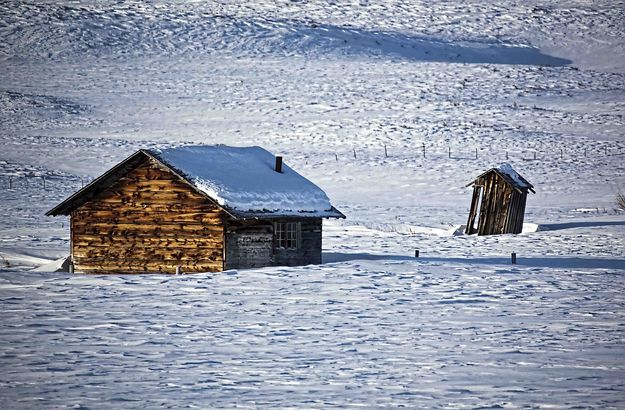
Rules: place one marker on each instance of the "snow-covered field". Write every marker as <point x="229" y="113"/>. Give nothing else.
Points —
<point x="447" y="90"/>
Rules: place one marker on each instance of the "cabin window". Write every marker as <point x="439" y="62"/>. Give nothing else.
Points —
<point x="287" y="235"/>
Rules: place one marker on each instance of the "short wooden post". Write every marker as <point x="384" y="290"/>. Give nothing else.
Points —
<point x="561" y="154"/>
<point x="82" y="182"/>
<point x="513" y="258"/>
<point x="385" y="152"/>
<point x="416" y="253"/>
<point x="10" y="182"/>
<point x="449" y="152"/>
<point x="423" y="150"/>
<point x="44" y="182"/>
<point x="178" y="270"/>
<point x="476" y="153"/>
<point x="336" y="156"/>
<point x="585" y="152"/>
<point x="71" y="267"/>
<point x="354" y="153"/>
<point x="506" y="154"/>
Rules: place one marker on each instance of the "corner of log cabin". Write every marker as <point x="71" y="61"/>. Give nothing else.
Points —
<point x="148" y="221"/>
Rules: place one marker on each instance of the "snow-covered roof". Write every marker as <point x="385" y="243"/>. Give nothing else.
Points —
<point x="511" y="176"/>
<point x="243" y="180"/>
<point x="507" y="170"/>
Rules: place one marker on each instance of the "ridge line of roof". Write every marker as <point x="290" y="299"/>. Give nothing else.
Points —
<point x="61" y="208"/>
<point x="108" y="178"/>
<point x="505" y="176"/>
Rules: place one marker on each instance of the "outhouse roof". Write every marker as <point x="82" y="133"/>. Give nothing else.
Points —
<point x="510" y="175"/>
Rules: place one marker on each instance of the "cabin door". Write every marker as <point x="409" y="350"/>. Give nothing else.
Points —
<point x="474" y="212"/>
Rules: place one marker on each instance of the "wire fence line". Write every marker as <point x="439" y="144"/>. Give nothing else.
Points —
<point x="16" y="180"/>
<point x="464" y="152"/>
<point x="45" y="182"/>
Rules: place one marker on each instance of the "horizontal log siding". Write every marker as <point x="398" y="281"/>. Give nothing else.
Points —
<point x="149" y="221"/>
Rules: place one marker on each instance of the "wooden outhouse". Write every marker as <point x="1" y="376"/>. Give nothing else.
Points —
<point x="196" y="209"/>
<point x="498" y="204"/>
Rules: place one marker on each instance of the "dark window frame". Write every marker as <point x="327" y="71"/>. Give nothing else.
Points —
<point x="287" y="235"/>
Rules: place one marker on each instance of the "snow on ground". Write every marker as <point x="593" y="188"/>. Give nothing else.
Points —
<point x="361" y="333"/>
<point x="391" y="109"/>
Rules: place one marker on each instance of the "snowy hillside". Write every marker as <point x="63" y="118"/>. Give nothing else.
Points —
<point x="423" y="31"/>
<point x="392" y="108"/>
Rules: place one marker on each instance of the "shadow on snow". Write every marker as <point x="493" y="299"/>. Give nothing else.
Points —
<point x="428" y="49"/>
<point x="88" y="33"/>
<point x="570" y="225"/>
<point x="535" y="262"/>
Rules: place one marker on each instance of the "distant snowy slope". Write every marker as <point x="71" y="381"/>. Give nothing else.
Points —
<point x="471" y="33"/>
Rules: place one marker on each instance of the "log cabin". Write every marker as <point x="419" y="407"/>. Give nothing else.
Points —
<point x="196" y="209"/>
<point x="499" y="198"/>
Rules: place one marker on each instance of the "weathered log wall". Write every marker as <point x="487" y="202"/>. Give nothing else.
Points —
<point x="251" y="244"/>
<point x="149" y="221"/>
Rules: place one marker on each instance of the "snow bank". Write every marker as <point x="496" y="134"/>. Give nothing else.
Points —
<point x="10" y="259"/>
<point x="58" y="265"/>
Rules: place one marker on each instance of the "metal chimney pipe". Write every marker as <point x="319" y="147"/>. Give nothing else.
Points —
<point x="279" y="164"/>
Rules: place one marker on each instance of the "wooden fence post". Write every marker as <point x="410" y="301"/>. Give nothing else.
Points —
<point x="385" y="152"/>
<point x="513" y="258"/>
<point x="423" y="149"/>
